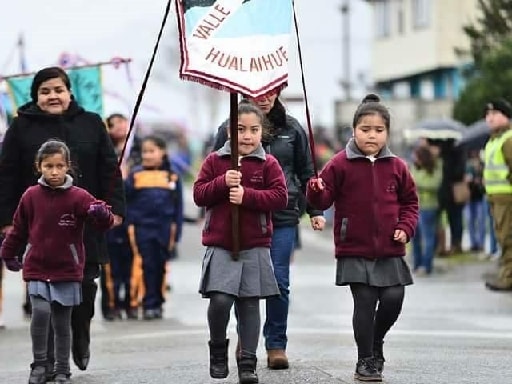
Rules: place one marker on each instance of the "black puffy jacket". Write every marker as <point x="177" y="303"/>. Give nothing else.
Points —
<point x="288" y="143"/>
<point x="92" y="155"/>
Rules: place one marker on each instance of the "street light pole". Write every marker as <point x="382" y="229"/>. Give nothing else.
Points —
<point x="345" y="24"/>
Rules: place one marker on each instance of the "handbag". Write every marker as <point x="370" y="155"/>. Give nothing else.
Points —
<point x="461" y="193"/>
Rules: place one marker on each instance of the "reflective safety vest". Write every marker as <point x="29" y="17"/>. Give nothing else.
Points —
<point x="496" y="170"/>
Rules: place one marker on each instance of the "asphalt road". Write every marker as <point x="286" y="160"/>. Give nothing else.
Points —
<point x="451" y="330"/>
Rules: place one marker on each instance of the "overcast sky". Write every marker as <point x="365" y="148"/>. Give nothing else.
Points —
<point x="101" y="29"/>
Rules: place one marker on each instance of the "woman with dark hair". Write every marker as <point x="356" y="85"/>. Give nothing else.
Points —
<point x="288" y="143"/>
<point x="427" y="173"/>
<point x="53" y="113"/>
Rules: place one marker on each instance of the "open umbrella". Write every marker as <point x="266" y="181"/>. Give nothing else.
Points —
<point x="475" y="136"/>
<point x="437" y="129"/>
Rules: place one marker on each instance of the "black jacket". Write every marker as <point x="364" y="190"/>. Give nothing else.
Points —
<point x="288" y="143"/>
<point x="93" y="158"/>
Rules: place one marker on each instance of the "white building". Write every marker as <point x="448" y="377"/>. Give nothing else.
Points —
<point x="418" y="57"/>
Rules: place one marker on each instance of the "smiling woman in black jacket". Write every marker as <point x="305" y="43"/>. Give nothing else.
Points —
<point x="288" y="143"/>
<point x="53" y="113"/>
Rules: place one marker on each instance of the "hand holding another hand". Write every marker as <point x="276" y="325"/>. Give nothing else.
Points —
<point x="316" y="184"/>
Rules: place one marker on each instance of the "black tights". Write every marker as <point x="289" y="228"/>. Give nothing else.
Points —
<point x="248" y="313"/>
<point x="371" y="322"/>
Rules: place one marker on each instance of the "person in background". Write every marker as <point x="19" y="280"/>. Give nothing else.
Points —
<point x="476" y="206"/>
<point x="375" y="215"/>
<point x="154" y="227"/>
<point x="257" y="189"/>
<point x="116" y="274"/>
<point x="50" y="220"/>
<point x="53" y="113"/>
<point x="498" y="186"/>
<point x="427" y="174"/>
<point x="287" y="141"/>
<point x="454" y="171"/>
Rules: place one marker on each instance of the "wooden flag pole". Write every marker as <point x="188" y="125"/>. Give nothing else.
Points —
<point x="233" y="135"/>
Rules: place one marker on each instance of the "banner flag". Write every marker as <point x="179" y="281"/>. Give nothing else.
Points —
<point x="235" y="45"/>
<point x="86" y="87"/>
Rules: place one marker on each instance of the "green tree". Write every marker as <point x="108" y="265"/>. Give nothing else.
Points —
<point x="491" y="28"/>
<point x="493" y="79"/>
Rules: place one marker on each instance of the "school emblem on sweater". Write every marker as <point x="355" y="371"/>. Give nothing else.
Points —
<point x="235" y="45"/>
<point x="67" y="220"/>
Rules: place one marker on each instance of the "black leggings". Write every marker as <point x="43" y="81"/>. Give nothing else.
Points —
<point x="248" y="313"/>
<point x="371" y="322"/>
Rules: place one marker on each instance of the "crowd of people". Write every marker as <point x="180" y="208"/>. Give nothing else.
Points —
<point x="88" y="210"/>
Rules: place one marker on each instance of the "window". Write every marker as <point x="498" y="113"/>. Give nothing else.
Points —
<point x="400" y="17"/>
<point x="421" y="13"/>
<point x="383" y="15"/>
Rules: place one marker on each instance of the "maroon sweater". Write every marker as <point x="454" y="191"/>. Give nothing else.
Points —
<point x="264" y="191"/>
<point x="50" y="222"/>
<point x="371" y="201"/>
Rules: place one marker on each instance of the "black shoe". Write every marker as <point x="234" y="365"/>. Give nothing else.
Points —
<point x="113" y="314"/>
<point x="148" y="314"/>
<point x="378" y="357"/>
<point x="37" y="374"/>
<point x="158" y="313"/>
<point x="81" y="355"/>
<point x="132" y="314"/>
<point x="62" y="378"/>
<point x="219" y="360"/>
<point x="366" y="370"/>
<point x="247" y="369"/>
<point x="50" y="373"/>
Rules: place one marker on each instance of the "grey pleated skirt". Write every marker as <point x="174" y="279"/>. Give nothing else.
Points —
<point x="251" y="276"/>
<point x="67" y="294"/>
<point x="385" y="272"/>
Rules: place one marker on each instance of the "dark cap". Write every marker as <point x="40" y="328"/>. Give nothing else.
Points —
<point x="47" y="74"/>
<point x="501" y="105"/>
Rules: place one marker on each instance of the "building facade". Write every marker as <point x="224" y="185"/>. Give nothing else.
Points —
<point x="419" y="53"/>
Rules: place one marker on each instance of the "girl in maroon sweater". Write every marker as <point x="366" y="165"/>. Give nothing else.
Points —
<point x="376" y="211"/>
<point x="257" y="189"/>
<point x="50" y="220"/>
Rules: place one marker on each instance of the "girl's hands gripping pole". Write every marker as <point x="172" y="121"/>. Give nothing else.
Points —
<point x="236" y="191"/>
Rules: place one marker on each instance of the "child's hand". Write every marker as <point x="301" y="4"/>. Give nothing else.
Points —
<point x="233" y="178"/>
<point x="236" y="195"/>
<point x="317" y="184"/>
<point x="318" y="223"/>
<point x="12" y="264"/>
<point x="400" y="236"/>
<point x="99" y="211"/>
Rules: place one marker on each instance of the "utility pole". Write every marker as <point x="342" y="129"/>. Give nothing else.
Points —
<point x="345" y="24"/>
<point x="21" y="53"/>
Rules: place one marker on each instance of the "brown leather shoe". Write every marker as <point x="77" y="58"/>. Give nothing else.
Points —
<point x="498" y="285"/>
<point x="277" y="359"/>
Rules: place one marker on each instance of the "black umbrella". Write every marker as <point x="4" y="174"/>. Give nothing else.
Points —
<point x="436" y="129"/>
<point x="476" y="136"/>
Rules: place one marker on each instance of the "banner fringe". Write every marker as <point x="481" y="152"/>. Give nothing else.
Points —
<point x="225" y="88"/>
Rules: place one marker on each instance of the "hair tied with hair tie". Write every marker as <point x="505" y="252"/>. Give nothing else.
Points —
<point x="371" y="98"/>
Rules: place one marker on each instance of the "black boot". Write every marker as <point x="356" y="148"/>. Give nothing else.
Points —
<point x="247" y="369"/>
<point x="37" y="374"/>
<point x="378" y="355"/>
<point x="219" y="359"/>
<point x="366" y="371"/>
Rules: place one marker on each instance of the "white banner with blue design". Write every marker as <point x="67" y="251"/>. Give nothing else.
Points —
<point x="235" y="45"/>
